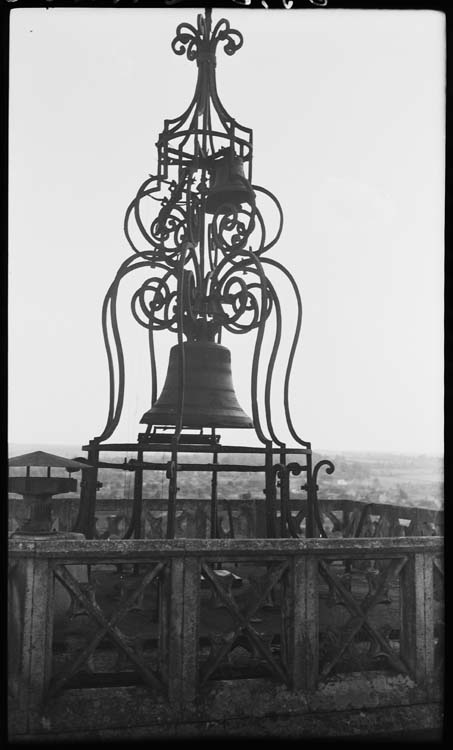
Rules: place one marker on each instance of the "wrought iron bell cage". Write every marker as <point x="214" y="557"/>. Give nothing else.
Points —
<point x="197" y="226"/>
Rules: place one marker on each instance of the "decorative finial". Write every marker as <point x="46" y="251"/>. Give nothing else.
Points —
<point x="199" y="44"/>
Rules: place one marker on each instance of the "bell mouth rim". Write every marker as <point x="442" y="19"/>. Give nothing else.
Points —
<point x="198" y="426"/>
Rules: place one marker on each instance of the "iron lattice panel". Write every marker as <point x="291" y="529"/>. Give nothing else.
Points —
<point x="107" y="627"/>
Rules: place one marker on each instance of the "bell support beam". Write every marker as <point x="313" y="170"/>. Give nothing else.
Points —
<point x="162" y="447"/>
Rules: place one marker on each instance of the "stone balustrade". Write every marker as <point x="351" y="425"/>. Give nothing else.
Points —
<point x="111" y="635"/>
<point x="241" y="518"/>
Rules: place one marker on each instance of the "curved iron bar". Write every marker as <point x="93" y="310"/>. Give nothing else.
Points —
<point x="141" y="192"/>
<point x="132" y="263"/>
<point x="270" y="368"/>
<point x="180" y="119"/>
<point x="198" y="105"/>
<point x="110" y="304"/>
<point x="252" y="260"/>
<point x="276" y="264"/>
<point x="257" y="353"/>
<point x="264" y="248"/>
<point x="152" y="358"/>
<point x="150" y="328"/>
<point x="295" y="469"/>
<point x="115" y="410"/>
<point x="245" y="263"/>
<point x="330" y="468"/>
<point x="105" y="307"/>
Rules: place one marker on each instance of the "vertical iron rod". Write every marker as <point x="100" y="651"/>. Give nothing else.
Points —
<point x="270" y="492"/>
<point x="85" y="522"/>
<point x="215" y="460"/>
<point x="284" y="493"/>
<point x="138" y="498"/>
<point x="311" y="499"/>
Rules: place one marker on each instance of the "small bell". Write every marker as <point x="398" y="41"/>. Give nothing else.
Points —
<point x="229" y="184"/>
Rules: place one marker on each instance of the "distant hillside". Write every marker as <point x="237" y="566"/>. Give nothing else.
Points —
<point x="405" y="479"/>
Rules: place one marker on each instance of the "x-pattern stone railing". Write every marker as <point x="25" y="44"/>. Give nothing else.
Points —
<point x="243" y="621"/>
<point x="360" y="611"/>
<point x="295" y="578"/>
<point x="85" y="595"/>
<point x="244" y="518"/>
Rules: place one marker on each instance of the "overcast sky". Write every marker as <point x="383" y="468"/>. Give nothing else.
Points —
<point x="347" y="108"/>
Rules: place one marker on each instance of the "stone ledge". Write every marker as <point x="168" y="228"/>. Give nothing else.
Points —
<point x="398" y="722"/>
<point x="125" y="709"/>
<point x="100" y="548"/>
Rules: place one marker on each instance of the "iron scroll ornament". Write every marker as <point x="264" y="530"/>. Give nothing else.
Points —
<point x="330" y="468"/>
<point x="207" y="270"/>
<point x="179" y="220"/>
<point x="233" y="304"/>
<point x="198" y="43"/>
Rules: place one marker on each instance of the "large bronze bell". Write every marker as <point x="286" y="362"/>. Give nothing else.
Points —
<point x="229" y="185"/>
<point x="209" y="397"/>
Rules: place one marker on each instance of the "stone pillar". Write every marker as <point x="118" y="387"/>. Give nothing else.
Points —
<point x="30" y="630"/>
